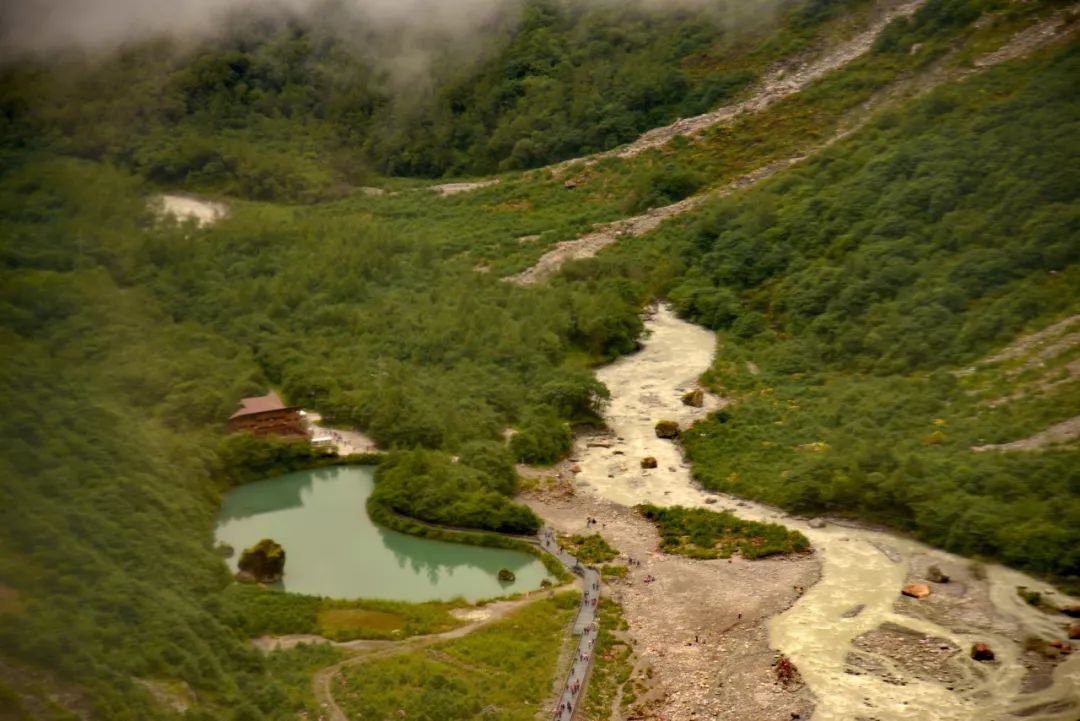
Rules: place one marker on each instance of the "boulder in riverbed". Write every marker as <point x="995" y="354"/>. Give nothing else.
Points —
<point x="982" y="652"/>
<point x="506" y="575"/>
<point x="853" y="611"/>
<point x="694" y="398"/>
<point x="1074" y="630"/>
<point x="648" y="462"/>
<point x="916" y="590"/>
<point x="667" y="429"/>
<point x="935" y="574"/>
<point x="816" y="523"/>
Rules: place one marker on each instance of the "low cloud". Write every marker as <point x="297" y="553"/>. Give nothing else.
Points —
<point x="43" y="26"/>
<point x="406" y="39"/>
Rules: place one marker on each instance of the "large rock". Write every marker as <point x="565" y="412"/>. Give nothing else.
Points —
<point x="1073" y="610"/>
<point x="1074" y="631"/>
<point x="1061" y="646"/>
<point x="265" y="561"/>
<point x="816" y="523"/>
<point x="694" y="398"/>
<point x="853" y="611"/>
<point x="982" y="652"/>
<point x="667" y="429"/>
<point x="916" y="590"/>
<point x="935" y="574"/>
<point x="648" y="462"/>
<point x="506" y="575"/>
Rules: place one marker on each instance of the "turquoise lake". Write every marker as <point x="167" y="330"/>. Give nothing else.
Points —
<point x="333" y="549"/>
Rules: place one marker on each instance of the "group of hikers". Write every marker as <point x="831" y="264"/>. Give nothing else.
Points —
<point x="579" y="667"/>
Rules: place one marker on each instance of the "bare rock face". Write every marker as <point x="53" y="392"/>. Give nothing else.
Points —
<point x="265" y="561"/>
<point x="916" y="590"/>
<point x="648" y="462"/>
<point x="667" y="429"/>
<point x="982" y="652"/>
<point x="694" y="398"/>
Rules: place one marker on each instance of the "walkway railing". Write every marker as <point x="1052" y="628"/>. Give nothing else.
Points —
<point x="585" y="626"/>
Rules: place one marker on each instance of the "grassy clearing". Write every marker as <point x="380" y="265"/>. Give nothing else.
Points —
<point x="292" y="669"/>
<point x="610" y="571"/>
<point x="503" y="671"/>
<point x="590" y="550"/>
<point x="701" y="533"/>
<point x="257" y="611"/>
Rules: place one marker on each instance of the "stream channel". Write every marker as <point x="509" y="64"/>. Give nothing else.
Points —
<point x="859" y="567"/>
<point x="333" y="549"/>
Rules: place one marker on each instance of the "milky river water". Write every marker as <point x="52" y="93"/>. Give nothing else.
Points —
<point x="856" y="564"/>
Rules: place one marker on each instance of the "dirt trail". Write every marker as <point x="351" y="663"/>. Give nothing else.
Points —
<point x="186" y="207"/>
<point x="592" y="243"/>
<point x="347" y="442"/>
<point x="841" y="633"/>
<point x="1057" y="434"/>
<point x="446" y="189"/>
<point x="1033" y="37"/>
<point x="1025" y="344"/>
<point x="778" y="84"/>
<point x="698" y="631"/>
<point x="367" y="650"/>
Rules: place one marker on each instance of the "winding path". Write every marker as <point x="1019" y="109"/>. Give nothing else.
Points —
<point x="585" y="627"/>
<point x="366" y="650"/>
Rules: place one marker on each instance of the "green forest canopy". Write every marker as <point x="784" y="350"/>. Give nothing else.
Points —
<point x="857" y="283"/>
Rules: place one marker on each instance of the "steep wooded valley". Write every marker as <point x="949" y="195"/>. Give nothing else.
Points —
<point x="883" y="233"/>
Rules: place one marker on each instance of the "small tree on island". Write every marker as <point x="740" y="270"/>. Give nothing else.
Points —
<point x="265" y="561"/>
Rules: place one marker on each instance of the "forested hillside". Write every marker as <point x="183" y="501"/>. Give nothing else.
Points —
<point x="852" y="292"/>
<point x="297" y="110"/>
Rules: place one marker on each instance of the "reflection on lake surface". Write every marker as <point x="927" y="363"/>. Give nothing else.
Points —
<point x="333" y="549"/>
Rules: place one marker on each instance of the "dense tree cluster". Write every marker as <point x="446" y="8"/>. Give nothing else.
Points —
<point x="436" y="488"/>
<point x="857" y="283"/>
<point x="288" y="110"/>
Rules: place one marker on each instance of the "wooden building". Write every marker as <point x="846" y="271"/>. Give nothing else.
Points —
<point x="267" y="415"/>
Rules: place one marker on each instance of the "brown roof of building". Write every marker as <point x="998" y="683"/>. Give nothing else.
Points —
<point x="259" y="404"/>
